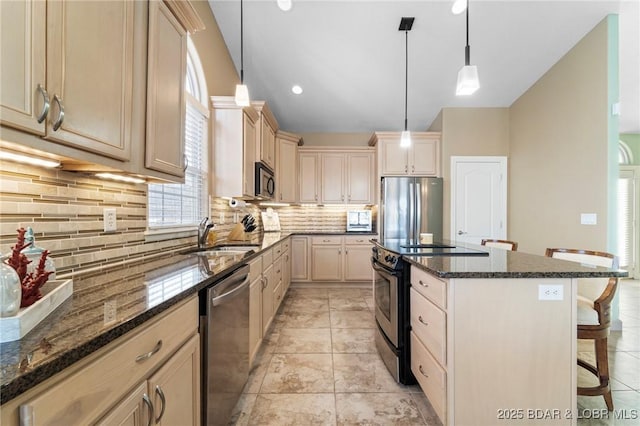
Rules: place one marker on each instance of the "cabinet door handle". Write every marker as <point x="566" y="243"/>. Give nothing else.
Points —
<point x="413" y="168"/>
<point x="60" y="119"/>
<point x="148" y="355"/>
<point x="422" y="371"/>
<point x="423" y="284"/>
<point x="406" y="169"/>
<point x="149" y="404"/>
<point x="163" y="400"/>
<point x="186" y="163"/>
<point x="339" y="251"/>
<point x="421" y="320"/>
<point x="45" y="105"/>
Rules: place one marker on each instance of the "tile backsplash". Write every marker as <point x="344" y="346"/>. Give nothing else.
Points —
<point x="65" y="210"/>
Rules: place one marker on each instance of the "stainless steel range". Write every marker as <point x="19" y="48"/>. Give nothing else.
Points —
<point x="391" y="285"/>
<point x="391" y="298"/>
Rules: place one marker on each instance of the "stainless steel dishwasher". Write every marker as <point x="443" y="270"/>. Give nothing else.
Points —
<point x="224" y="328"/>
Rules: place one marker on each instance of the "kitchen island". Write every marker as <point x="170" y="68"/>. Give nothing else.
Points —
<point x="493" y="338"/>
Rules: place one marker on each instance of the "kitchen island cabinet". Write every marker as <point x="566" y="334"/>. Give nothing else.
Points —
<point x="341" y="258"/>
<point x="487" y="346"/>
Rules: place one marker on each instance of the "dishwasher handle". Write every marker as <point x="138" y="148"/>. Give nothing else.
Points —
<point x="231" y="293"/>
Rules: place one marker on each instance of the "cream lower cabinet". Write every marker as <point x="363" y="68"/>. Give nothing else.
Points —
<point x="488" y="351"/>
<point x="255" y="306"/>
<point x="169" y="397"/>
<point x="300" y="259"/>
<point x="161" y="358"/>
<point x="286" y="265"/>
<point x="338" y="258"/>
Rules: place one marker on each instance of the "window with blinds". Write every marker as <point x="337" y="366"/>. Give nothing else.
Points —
<point x="626" y="217"/>
<point x="172" y="205"/>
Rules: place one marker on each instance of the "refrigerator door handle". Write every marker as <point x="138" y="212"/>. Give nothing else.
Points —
<point x="418" y="211"/>
<point x="412" y="211"/>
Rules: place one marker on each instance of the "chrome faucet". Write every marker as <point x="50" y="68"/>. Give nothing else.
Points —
<point x="203" y="232"/>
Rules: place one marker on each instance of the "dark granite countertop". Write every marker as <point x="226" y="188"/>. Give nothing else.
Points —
<point x="502" y="264"/>
<point x="139" y="291"/>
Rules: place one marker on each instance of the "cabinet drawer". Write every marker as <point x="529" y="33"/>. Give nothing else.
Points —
<point x="89" y="392"/>
<point x="326" y="240"/>
<point x="277" y="250"/>
<point x="429" y="323"/>
<point x="431" y="377"/>
<point x="277" y="270"/>
<point x="267" y="259"/>
<point x="285" y="245"/>
<point x="429" y="286"/>
<point x="358" y="240"/>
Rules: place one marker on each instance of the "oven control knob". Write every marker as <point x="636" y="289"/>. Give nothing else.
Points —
<point x="390" y="259"/>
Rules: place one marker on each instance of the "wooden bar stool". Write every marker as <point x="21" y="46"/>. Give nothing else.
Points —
<point x="503" y="244"/>
<point x="594" y="314"/>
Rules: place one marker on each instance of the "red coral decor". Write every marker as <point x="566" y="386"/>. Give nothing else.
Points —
<point x="33" y="281"/>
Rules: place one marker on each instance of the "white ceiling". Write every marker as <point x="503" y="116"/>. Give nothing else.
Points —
<point x="348" y="56"/>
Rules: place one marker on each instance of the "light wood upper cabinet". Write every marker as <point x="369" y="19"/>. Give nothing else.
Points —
<point x="22" y="64"/>
<point x="166" y="107"/>
<point x="309" y="182"/>
<point x="266" y="136"/>
<point x="234" y="144"/>
<point x="422" y="158"/>
<point x="332" y="174"/>
<point x="286" y="167"/>
<point x="336" y="175"/>
<point x="85" y="74"/>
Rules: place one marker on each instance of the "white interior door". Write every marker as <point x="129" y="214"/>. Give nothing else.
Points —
<point x="628" y="208"/>
<point x="478" y="198"/>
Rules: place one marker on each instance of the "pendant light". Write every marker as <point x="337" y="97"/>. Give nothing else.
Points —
<point x="405" y="25"/>
<point x="242" y="92"/>
<point x="468" y="81"/>
<point x="284" y="5"/>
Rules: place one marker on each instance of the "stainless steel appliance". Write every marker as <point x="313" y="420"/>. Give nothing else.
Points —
<point x="265" y="183"/>
<point x="391" y="300"/>
<point x="359" y="221"/>
<point x="410" y="206"/>
<point x="224" y="329"/>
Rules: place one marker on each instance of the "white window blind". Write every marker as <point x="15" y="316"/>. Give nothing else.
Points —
<point x="184" y="204"/>
<point x="626" y="191"/>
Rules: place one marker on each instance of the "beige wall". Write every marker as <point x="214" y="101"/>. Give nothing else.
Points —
<point x="558" y="152"/>
<point x="220" y="73"/>
<point x="336" y="139"/>
<point x="469" y="131"/>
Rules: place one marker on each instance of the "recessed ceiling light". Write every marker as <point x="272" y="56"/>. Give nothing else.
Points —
<point x="296" y="89"/>
<point x="285" y="4"/>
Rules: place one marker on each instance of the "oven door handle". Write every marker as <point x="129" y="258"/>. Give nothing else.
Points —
<point x="382" y="270"/>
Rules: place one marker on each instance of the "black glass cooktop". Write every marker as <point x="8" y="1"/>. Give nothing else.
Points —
<point x="432" y="249"/>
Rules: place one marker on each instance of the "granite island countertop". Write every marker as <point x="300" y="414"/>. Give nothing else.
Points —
<point x="501" y="263"/>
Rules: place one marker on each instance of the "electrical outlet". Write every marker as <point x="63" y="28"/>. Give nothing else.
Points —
<point x="221" y="219"/>
<point x="235" y="217"/>
<point x="550" y="292"/>
<point x="109" y="216"/>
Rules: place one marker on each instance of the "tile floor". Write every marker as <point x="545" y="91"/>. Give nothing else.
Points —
<point x="319" y="366"/>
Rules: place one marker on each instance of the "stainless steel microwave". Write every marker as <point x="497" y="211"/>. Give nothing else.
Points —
<point x="265" y="183"/>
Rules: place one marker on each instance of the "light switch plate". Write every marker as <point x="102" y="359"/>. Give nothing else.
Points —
<point x="109" y="216"/>
<point x="588" y="219"/>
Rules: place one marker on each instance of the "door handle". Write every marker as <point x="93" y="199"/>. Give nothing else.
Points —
<point x="461" y="232"/>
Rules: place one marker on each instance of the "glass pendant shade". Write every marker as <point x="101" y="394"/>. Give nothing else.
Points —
<point x="285" y="5"/>
<point x="468" y="81"/>
<point x="405" y="139"/>
<point x="242" y="95"/>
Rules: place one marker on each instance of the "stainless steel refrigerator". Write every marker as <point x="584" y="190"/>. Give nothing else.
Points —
<point x="410" y="206"/>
